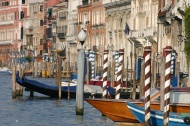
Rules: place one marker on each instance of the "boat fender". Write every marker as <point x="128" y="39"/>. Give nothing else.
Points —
<point x="186" y="120"/>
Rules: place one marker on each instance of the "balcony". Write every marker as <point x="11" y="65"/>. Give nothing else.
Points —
<point x="27" y="31"/>
<point x="7" y="22"/>
<point x="62" y="18"/>
<point x="115" y="3"/>
<point x="138" y="35"/>
<point x="141" y="12"/>
<point x="30" y="27"/>
<point x="133" y="34"/>
<point x="35" y="1"/>
<point x="6" y="42"/>
<point x="61" y="35"/>
<point x="150" y="32"/>
<point x="87" y="22"/>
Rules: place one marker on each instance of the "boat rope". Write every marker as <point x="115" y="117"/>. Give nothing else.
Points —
<point x="105" y="69"/>
<point x="119" y="73"/>
<point x="167" y="55"/>
<point x="147" y="59"/>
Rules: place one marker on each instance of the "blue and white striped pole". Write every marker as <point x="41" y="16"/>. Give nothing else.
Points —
<point x="91" y="59"/>
<point x="90" y="56"/>
<point x="93" y="65"/>
<point x="173" y="58"/>
<point x="116" y="63"/>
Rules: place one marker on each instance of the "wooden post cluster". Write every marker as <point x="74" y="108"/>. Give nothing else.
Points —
<point x="17" y="90"/>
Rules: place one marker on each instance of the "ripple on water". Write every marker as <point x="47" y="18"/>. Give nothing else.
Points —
<point x="42" y="110"/>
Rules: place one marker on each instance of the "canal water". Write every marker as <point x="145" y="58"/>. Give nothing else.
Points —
<point x="42" y="110"/>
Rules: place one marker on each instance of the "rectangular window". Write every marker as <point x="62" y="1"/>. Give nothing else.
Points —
<point x="41" y="41"/>
<point x="15" y="15"/>
<point x="41" y="23"/>
<point x="5" y="3"/>
<point x="48" y="32"/>
<point x="41" y="8"/>
<point x="23" y="1"/>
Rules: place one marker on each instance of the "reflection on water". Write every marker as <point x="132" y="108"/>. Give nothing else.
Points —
<point x="42" y="110"/>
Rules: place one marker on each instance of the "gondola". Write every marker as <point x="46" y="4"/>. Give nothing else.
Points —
<point x="53" y="91"/>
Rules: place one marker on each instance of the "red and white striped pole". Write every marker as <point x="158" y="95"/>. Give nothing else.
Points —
<point x="119" y="74"/>
<point x="105" y="71"/>
<point x="147" y="59"/>
<point x="167" y="53"/>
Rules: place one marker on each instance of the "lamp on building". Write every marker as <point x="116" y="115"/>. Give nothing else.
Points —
<point x="82" y="36"/>
<point x="180" y="38"/>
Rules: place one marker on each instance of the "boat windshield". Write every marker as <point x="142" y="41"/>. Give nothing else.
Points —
<point x="152" y="93"/>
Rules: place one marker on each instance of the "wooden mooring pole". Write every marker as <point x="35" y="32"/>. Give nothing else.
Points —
<point x="69" y="74"/>
<point x="13" y="81"/>
<point x="59" y="74"/>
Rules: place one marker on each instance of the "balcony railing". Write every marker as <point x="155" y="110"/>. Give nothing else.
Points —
<point x="134" y="34"/>
<point x="63" y="18"/>
<point x="6" y="42"/>
<point x="61" y="35"/>
<point x="109" y="1"/>
<point x="150" y="32"/>
<point x="6" y="22"/>
<point x="113" y="3"/>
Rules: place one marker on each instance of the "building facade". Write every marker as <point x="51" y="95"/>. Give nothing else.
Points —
<point x="72" y="31"/>
<point x="11" y="27"/>
<point x="34" y="28"/>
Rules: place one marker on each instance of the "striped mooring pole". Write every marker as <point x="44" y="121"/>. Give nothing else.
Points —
<point x="116" y="57"/>
<point x="147" y="59"/>
<point x="119" y="73"/>
<point x="105" y="72"/>
<point x="167" y="55"/>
